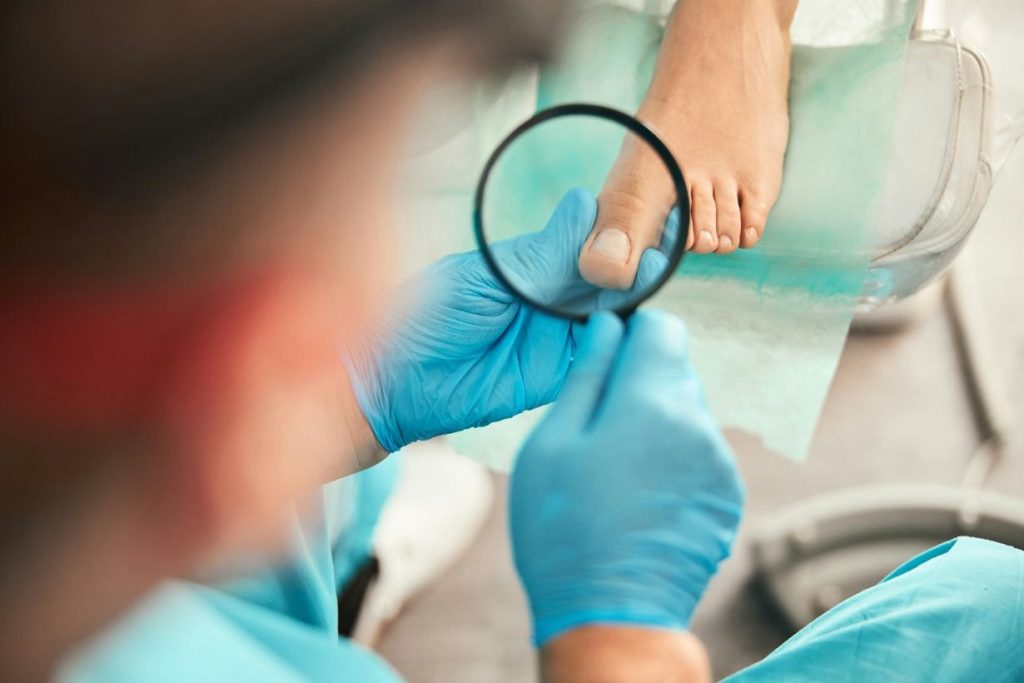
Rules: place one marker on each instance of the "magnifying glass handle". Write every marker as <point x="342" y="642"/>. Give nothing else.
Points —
<point x="623" y="314"/>
<point x="626" y="313"/>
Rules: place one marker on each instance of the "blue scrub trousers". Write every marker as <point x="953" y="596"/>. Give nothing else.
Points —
<point x="953" y="613"/>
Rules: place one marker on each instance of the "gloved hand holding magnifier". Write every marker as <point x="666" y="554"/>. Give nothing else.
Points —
<point x="555" y="260"/>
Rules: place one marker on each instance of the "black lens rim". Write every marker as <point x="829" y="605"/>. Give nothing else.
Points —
<point x="633" y="125"/>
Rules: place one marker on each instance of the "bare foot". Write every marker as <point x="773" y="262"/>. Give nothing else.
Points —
<point x="719" y="101"/>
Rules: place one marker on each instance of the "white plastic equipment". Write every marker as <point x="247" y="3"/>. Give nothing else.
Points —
<point x="821" y="551"/>
<point x="940" y="170"/>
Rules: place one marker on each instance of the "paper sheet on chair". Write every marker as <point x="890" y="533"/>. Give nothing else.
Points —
<point x="767" y="325"/>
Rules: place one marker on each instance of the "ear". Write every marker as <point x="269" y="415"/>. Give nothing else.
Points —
<point x="251" y="407"/>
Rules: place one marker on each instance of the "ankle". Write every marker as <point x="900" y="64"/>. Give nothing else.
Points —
<point x="785" y="12"/>
<point x="708" y="12"/>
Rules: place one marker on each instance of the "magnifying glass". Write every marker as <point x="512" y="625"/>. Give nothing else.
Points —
<point x="534" y="212"/>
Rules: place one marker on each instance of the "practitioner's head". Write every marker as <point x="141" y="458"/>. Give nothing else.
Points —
<point x="195" y="201"/>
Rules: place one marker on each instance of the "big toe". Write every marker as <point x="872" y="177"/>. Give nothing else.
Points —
<point x="605" y="258"/>
<point x="628" y="223"/>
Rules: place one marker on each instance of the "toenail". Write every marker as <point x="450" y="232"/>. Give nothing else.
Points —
<point x="751" y="234"/>
<point x="611" y="243"/>
<point x="725" y="242"/>
<point x="706" y="239"/>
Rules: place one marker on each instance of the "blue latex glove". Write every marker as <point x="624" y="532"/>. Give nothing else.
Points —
<point x="461" y="351"/>
<point x="626" y="498"/>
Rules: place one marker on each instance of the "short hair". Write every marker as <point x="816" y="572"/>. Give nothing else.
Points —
<point x="116" y="94"/>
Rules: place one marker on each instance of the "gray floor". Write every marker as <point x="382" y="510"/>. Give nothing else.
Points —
<point x="897" y="412"/>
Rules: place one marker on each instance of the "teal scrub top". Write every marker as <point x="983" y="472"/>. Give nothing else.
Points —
<point x="278" y="625"/>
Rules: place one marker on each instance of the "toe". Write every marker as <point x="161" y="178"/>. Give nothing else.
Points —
<point x="628" y="222"/>
<point x="705" y="218"/>
<point x="727" y="206"/>
<point x="753" y="217"/>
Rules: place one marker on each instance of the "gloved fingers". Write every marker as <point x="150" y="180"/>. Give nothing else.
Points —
<point x="552" y="251"/>
<point x="569" y="225"/>
<point x="597" y="344"/>
<point x="652" y="266"/>
<point x="545" y="355"/>
<point x="673" y="230"/>
<point x="556" y="252"/>
<point x="543" y="264"/>
<point x="652" y="366"/>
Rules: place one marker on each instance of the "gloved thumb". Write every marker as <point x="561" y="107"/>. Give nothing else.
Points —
<point x="597" y="347"/>
<point x="543" y="264"/>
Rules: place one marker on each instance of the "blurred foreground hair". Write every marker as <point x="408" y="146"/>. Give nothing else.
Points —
<point x="119" y="99"/>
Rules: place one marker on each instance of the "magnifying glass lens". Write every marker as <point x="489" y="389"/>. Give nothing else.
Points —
<point x="578" y="213"/>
